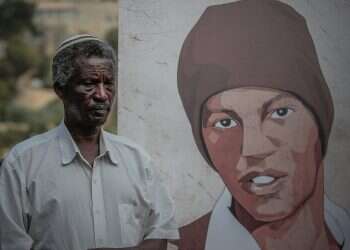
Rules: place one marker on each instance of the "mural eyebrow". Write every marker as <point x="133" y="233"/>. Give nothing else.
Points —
<point x="268" y="103"/>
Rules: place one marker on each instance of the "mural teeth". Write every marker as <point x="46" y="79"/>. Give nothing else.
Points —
<point x="263" y="179"/>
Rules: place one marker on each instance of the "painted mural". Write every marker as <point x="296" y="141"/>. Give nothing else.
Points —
<point x="243" y="86"/>
<point x="261" y="114"/>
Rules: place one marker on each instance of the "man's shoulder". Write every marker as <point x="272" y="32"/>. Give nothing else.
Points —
<point x="133" y="157"/>
<point x="31" y="144"/>
<point x="126" y="143"/>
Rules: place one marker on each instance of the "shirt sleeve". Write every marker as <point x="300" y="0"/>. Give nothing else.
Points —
<point x="14" y="216"/>
<point x="161" y="224"/>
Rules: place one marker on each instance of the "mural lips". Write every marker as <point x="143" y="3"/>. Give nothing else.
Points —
<point x="264" y="182"/>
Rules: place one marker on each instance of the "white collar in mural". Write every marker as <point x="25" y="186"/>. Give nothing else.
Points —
<point x="225" y="232"/>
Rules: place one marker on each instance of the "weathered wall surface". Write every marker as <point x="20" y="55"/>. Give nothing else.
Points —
<point x="151" y="34"/>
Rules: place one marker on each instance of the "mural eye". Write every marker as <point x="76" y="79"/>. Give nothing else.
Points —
<point x="225" y="123"/>
<point x="281" y="113"/>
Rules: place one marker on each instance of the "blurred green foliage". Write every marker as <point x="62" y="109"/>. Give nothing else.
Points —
<point x="43" y="71"/>
<point x="7" y="90"/>
<point x="35" y="122"/>
<point x="16" y="16"/>
<point x="16" y="28"/>
<point x="20" y="55"/>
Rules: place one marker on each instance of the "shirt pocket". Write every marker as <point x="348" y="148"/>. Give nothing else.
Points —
<point x="132" y="224"/>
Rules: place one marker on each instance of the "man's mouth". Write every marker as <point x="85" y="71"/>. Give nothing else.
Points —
<point x="100" y="111"/>
<point x="100" y="106"/>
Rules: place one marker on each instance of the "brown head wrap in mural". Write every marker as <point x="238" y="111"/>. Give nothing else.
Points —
<point x="252" y="43"/>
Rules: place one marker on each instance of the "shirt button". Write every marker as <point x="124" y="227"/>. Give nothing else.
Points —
<point x="95" y="181"/>
<point x="97" y="212"/>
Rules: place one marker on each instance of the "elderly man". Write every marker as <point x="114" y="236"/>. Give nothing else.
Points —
<point x="261" y="114"/>
<point x="77" y="187"/>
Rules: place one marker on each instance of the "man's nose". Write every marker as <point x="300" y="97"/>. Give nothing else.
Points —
<point x="101" y="93"/>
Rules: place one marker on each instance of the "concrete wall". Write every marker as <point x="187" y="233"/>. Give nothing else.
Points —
<point x="151" y="34"/>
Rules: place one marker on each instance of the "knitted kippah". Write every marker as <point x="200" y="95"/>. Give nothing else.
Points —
<point x="74" y="40"/>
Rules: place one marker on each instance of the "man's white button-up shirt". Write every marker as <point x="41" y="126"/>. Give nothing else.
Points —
<point x="52" y="199"/>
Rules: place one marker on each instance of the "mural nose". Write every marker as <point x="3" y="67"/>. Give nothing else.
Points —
<point x="255" y="144"/>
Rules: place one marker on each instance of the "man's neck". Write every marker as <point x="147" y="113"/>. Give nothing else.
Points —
<point x="87" y="140"/>
<point x="305" y="229"/>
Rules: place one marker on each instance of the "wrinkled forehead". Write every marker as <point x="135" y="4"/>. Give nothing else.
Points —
<point x="94" y="65"/>
<point x="94" y="61"/>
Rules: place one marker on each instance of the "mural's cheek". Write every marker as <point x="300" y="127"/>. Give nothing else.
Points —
<point x="293" y="132"/>
<point x="307" y="136"/>
<point x="306" y="168"/>
<point x="223" y="147"/>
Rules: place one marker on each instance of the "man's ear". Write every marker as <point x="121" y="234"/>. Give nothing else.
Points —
<point x="59" y="90"/>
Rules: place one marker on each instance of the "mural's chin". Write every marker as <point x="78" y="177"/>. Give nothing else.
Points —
<point x="271" y="208"/>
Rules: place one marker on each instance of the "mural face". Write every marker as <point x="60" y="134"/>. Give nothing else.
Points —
<point x="265" y="146"/>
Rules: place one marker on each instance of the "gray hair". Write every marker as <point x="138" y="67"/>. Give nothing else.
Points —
<point x="64" y="62"/>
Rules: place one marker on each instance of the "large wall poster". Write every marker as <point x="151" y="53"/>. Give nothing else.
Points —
<point x="260" y="111"/>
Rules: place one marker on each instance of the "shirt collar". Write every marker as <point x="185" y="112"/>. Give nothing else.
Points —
<point x="225" y="230"/>
<point x="338" y="221"/>
<point x="106" y="147"/>
<point x="69" y="149"/>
